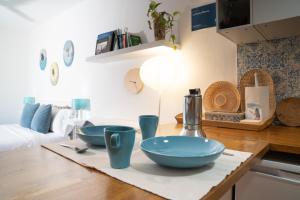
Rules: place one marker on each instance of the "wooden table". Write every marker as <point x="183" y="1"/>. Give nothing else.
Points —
<point x="40" y="174"/>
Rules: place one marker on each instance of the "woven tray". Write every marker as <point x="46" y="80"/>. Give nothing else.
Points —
<point x="221" y="116"/>
<point x="264" y="79"/>
<point x="235" y="125"/>
<point x="238" y="125"/>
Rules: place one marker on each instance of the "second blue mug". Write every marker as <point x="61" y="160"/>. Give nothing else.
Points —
<point x="148" y="125"/>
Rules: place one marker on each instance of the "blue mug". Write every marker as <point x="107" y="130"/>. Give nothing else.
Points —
<point x="119" y="141"/>
<point x="148" y="125"/>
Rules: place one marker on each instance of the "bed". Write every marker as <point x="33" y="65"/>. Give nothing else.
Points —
<point x="13" y="136"/>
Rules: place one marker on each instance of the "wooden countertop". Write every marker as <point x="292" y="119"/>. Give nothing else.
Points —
<point x="280" y="138"/>
<point x="40" y="174"/>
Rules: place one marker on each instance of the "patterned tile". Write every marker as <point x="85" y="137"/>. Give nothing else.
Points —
<point x="281" y="58"/>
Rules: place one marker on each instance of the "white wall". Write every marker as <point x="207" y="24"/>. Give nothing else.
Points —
<point x="14" y="73"/>
<point x="208" y="58"/>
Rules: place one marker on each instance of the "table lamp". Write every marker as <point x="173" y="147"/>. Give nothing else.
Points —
<point x="79" y="105"/>
<point x="158" y="74"/>
<point x="29" y="100"/>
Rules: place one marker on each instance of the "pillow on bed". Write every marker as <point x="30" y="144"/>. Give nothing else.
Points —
<point x="87" y="124"/>
<point x="55" y="109"/>
<point x="60" y="122"/>
<point x="42" y="119"/>
<point x="27" y="114"/>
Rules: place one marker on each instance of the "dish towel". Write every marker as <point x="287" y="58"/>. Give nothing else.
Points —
<point x="166" y="182"/>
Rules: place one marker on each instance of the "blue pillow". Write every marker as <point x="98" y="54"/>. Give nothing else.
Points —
<point x="42" y="119"/>
<point x="27" y="114"/>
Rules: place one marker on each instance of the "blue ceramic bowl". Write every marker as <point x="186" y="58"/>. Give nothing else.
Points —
<point x="93" y="135"/>
<point x="182" y="151"/>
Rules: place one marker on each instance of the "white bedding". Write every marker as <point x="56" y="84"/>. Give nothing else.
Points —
<point x="13" y="136"/>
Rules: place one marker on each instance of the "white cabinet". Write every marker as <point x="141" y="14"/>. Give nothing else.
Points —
<point x="246" y="21"/>
<point x="273" y="10"/>
<point x="255" y="185"/>
<point x="242" y="34"/>
<point x="275" y="177"/>
<point x="234" y="21"/>
<point x="276" y="19"/>
<point x="279" y="29"/>
<point x="227" y="195"/>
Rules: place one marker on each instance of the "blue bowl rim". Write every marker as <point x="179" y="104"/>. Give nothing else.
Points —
<point x="90" y="135"/>
<point x="100" y="126"/>
<point x="174" y="156"/>
<point x="130" y="128"/>
<point x="103" y="126"/>
<point x="148" y="116"/>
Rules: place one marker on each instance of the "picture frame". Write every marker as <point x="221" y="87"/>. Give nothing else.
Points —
<point x="104" y="42"/>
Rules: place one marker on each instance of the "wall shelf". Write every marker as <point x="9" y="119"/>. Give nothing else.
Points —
<point x="143" y="50"/>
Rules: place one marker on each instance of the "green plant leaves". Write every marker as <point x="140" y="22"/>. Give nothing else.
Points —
<point x="149" y="24"/>
<point x="173" y="38"/>
<point x="155" y="15"/>
<point x="163" y="20"/>
<point x="153" y="5"/>
<point x="176" y="13"/>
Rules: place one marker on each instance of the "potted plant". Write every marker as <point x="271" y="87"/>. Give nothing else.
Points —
<point x="163" y="22"/>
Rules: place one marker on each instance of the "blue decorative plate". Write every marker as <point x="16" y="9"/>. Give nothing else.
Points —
<point x="43" y="59"/>
<point x="68" y="53"/>
<point x="93" y="135"/>
<point x="182" y="151"/>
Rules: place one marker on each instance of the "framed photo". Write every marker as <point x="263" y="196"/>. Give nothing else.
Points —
<point x="104" y="42"/>
<point x="253" y="111"/>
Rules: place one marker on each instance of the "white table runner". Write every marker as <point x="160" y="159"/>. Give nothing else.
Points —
<point x="166" y="182"/>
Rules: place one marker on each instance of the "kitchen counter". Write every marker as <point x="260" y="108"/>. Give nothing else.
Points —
<point x="40" y="174"/>
<point x="279" y="138"/>
<point x="276" y="138"/>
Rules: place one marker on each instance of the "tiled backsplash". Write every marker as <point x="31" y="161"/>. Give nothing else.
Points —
<point x="281" y="58"/>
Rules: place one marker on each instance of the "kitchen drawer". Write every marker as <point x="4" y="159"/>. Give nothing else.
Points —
<point x="276" y="177"/>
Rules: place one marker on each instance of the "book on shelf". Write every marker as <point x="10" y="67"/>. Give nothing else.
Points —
<point x="105" y="42"/>
<point x="124" y="42"/>
<point x="117" y="39"/>
<point x="127" y="39"/>
<point x="134" y="40"/>
<point x="116" y="44"/>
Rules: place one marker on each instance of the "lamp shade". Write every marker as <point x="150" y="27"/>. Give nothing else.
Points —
<point x="81" y="104"/>
<point x="158" y="72"/>
<point x="29" y="100"/>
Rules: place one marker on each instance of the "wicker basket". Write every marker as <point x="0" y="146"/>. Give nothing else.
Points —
<point x="222" y="96"/>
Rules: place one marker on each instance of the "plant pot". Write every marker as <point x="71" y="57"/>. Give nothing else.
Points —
<point x="159" y="31"/>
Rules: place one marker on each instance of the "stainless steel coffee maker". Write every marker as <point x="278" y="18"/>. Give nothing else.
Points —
<point x="192" y="114"/>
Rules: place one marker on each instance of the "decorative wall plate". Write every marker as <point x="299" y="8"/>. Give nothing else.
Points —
<point x="288" y="111"/>
<point x="54" y="74"/>
<point x="68" y="53"/>
<point x="43" y="59"/>
<point x="133" y="82"/>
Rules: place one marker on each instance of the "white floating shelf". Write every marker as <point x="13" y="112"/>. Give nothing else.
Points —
<point x="143" y="50"/>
